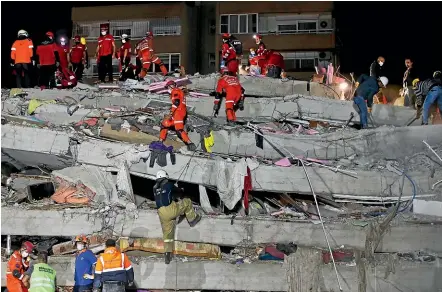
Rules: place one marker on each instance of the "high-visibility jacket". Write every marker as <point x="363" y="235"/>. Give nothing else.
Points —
<point x="261" y="49"/>
<point x="22" y="51"/>
<point x="16" y="262"/>
<point x="228" y="52"/>
<point x="77" y="53"/>
<point x="105" y="45"/>
<point x="275" y="59"/>
<point x="112" y="265"/>
<point x="178" y="101"/>
<point x="42" y="278"/>
<point x="46" y="53"/>
<point x="231" y="86"/>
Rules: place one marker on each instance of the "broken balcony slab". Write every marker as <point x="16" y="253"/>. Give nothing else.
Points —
<point x="202" y="170"/>
<point x="295" y="106"/>
<point x="402" y="236"/>
<point x="381" y="143"/>
<point x="264" y="276"/>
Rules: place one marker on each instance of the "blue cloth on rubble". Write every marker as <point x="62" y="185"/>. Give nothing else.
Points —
<point x="158" y="145"/>
<point x="159" y="152"/>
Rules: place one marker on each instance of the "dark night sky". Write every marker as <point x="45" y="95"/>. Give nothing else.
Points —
<point x="366" y="29"/>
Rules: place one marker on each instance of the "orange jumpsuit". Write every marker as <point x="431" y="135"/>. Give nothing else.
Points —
<point x="233" y="91"/>
<point x="147" y="56"/>
<point x="178" y="114"/>
<point x="16" y="262"/>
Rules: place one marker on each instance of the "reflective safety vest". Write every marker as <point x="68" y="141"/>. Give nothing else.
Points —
<point x="42" y="278"/>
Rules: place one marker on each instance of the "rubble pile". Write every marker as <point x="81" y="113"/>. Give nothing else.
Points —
<point x="85" y="160"/>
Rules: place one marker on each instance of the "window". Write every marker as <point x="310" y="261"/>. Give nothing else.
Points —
<point x="212" y="27"/>
<point x="212" y="61"/>
<point x="287" y="28"/>
<point x="171" y="61"/>
<point x="117" y="32"/>
<point x="238" y="23"/>
<point x="306" y="25"/>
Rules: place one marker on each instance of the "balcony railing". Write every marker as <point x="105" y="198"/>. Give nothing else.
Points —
<point x="134" y="28"/>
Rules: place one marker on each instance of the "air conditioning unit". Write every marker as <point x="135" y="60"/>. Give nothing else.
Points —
<point x="325" y="56"/>
<point x="325" y="24"/>
<point x="165" y="30"/>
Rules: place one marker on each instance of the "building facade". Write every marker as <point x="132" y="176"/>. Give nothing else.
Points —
<point x="189" y="33"/>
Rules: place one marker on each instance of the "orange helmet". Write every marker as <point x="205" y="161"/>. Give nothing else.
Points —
<point x="81" y="238"/>
<point x="28" y="246"/>
<point x="226" y="37"/>
<point x="50" y="34"/>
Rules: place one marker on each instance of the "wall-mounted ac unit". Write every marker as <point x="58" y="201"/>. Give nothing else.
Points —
<point x="325" y="24"/>
<point x="325" y="56"/>
<point x="171" y="30"/>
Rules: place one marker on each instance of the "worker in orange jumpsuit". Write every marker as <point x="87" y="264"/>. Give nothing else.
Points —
<point x="147" y="56"/>
<point x="261" y="46"/>
<point x="21" y="57"/>
<point x="177" y="117"/>
<point x="63" y="53"/>
<point x="17" y="265"/>
<point x="229" y="54"/>
<point x="228" y="86"/>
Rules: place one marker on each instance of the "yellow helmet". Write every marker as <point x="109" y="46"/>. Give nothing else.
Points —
<point x="83" y="41"/>
<point x="415" y="81"/>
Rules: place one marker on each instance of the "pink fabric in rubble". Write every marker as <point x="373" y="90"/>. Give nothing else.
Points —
<point x="285" y="162"/>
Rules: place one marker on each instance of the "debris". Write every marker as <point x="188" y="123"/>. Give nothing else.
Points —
<point x="433" y="208"/>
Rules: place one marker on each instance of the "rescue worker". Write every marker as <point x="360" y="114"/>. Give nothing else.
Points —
<point x="177" y="117"/>
<point x="41" y="277"/>
<point x="229" y="87"/>
<point x="366" y="88"/>
<point x="261" y="46"/>
<point x="147" y="56"/>
<point x="113" y="270"/>
<point x="104" y="54"/>
<point x="428" y="92"/>
<point x="85" y="261"/>
<point x="169" y="208"/>
<point x="47" y="59"/>
<point x="63" y="53"/>
<point x="437" y="75"/>
<point x="78" y="57"/>
<point x="65" y="78"/>
<point x="138" y="63"/>
<point x="18" y="263"/>
<point x="228" y="54"/>
<point x="124" y="55"/>
<point x="275" y="63"/>
<point x="21" y="58"/>
<point x="409" y="76"/>
<point x="376" y="69"/>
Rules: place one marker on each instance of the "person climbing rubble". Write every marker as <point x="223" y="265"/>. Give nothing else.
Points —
<point x="78" y="55"/>
<point x="147" y="56"/>
<point x="41" y="277"/>
<point x="47" y="58"/>
<point x="18" y="263"/>
<point x="85" y="261"/>
<point x="104" y="54"/>
<point x="169" y="208"/>
<point x="427" y="92"/>
<point x="177" y="117"/>
<point x="261" y="46"/>
<point x="366" y="88"/>
<point x="21" y="58"/>
<point x="113" y="270"/>
<point x="124" y="56"/>
<point x="228" y="54"/>
<point x="229" y="87"/>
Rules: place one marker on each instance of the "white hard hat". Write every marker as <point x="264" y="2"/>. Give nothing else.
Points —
<point x="384" y="80"/>
<point x="22" y="32"/>
<point x="124" y="36"/>
<point x="162" y="174"/>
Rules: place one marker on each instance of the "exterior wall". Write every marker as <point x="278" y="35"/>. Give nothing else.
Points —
<point x="238" y="7"/>
<point x="208" y="36"/>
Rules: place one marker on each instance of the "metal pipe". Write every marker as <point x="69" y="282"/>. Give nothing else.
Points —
<point x="8" y="245"/>
<point x="432" y="150"/>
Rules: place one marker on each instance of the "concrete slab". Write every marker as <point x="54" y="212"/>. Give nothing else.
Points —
<point x="261" y="276"/>
<point x="204" y="171"/>
<point x="401" y="237"/>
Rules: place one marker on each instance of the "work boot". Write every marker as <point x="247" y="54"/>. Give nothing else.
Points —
<point x="191" y="147"/>
<point x="167" y="257"/>
<point x="195" y="221"/>
<point x="231" y="123"/>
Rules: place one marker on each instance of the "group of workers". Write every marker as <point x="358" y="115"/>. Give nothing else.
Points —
<point x="419" y="95"/>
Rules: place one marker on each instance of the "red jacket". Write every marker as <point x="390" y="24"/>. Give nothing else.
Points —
<point x="125" y="46"/>
<point x="261" y="49"/>
<point x="46" y="53"/>
<point x="275" y="59"/>
<point x="77" y="53"/>
<point x="228" y="52"/>
<point x="231" y="86"/>
<point x="63" y="52"/>
<point x="105" y="47"/>
<point x="65" y="78"/>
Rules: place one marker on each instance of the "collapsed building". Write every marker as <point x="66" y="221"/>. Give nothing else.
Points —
<point x="79" y="162"/>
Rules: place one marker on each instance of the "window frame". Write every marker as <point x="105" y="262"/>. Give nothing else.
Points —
<point x="239" y="23"/>
<point x="306" y="30"/>
<point x="154" y="66"/>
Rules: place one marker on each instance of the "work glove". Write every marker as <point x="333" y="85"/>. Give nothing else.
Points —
<point x="356" y="84"/>
<point x="241" y="104"/>
<point x="369" y="109"/>
<point x="88" y="276"/>
<point x="213" y="93"/>
<point x="16" y="273"/>
<point x="216" y="109"/>
<point x="12" y="64"/>
<point x="191" y="147"/>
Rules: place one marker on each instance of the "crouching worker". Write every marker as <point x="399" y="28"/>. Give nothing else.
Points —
<point x="427" y="93"/>
<point x="169" y="208"/>
<point x="65" y="78"/>
<point x="40" y="277"/>
<point x="85" y="261"/>
<point x="228" y="86"/>
<point x="177" y="117"/>
<point x="367" y="88"/>
<point x="113" y="271"/>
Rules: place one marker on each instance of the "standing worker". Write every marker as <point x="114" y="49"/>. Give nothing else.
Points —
<point x="428" y="92"/>
<point x="21" y="58"/>
<point x="113" y="271"/>
<point x="177" y="117"/>
<point x="78" y="57"/>
<point x="409" y="76"/>
<point x="229" y="86"/>
<point x="47" y="58"/>
<point x="17" y="265"/>
<point x="366" y="88"/>
<point x="376" y="69"/>
<point x="228" y="54"/>
<point x="169" y="208"/>
<point x="85" y="261"/>
<point x="124" y="55"/>
<point x="104" y="54"/>
<point x="261" y="46"/>
<point x="63" y="53"/>
<point x="40" y="277"/>
<point x="147" y="56"/>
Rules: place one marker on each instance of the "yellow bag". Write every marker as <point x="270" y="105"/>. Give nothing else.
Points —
<point x="209" y="142"/>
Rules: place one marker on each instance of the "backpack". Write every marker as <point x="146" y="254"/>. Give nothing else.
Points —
<point x="237" y="45"/>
